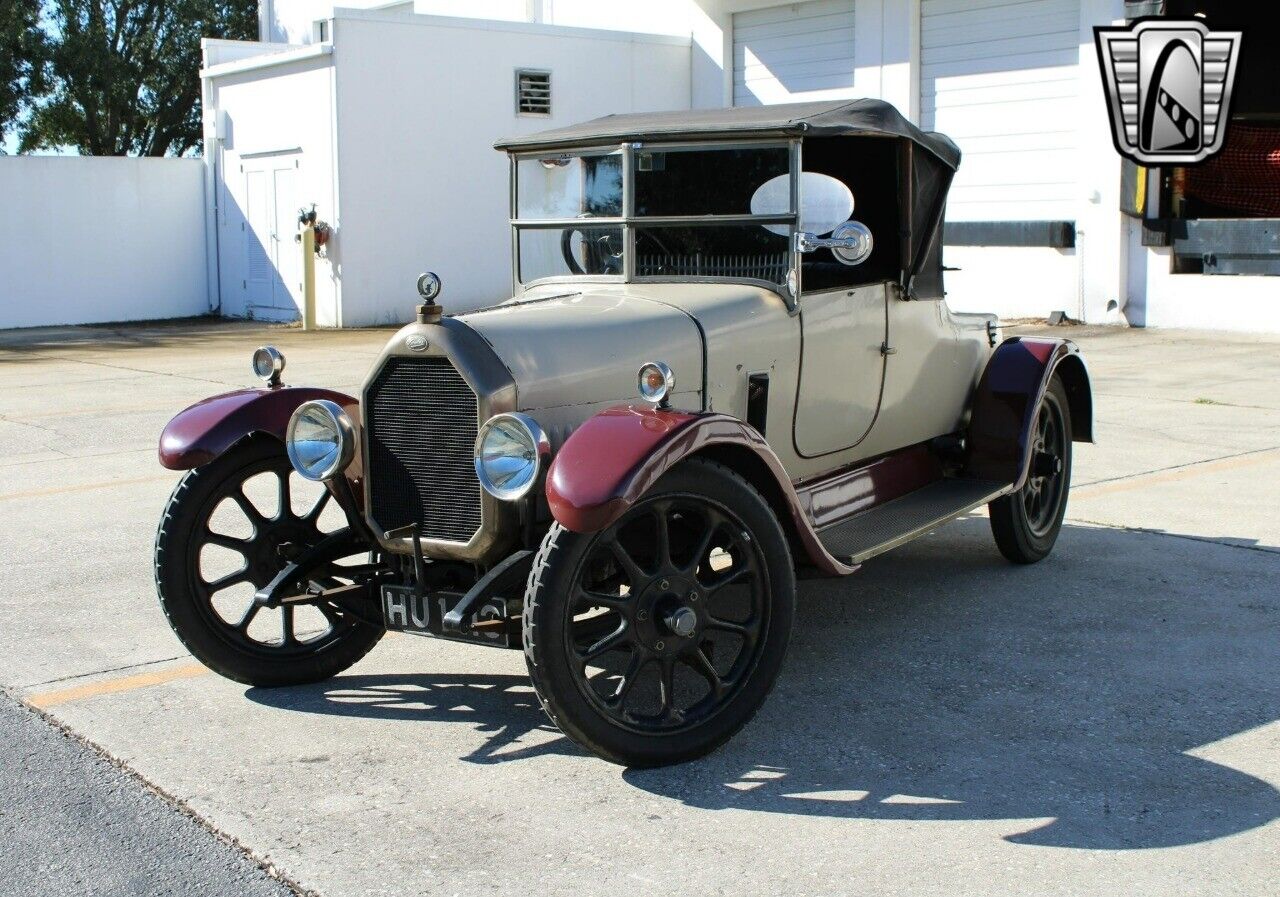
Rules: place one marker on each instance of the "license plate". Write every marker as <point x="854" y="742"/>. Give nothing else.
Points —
<point x="403" y="609"/>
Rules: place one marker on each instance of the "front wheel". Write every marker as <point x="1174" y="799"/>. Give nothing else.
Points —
<point x="655" y="640"/>
<point x="1026" y="523"/>
<point x="229" y="528"/>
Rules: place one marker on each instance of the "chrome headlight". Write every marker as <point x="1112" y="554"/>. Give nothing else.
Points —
<point x="320" y="440"/>
<point x="510" y="452"/>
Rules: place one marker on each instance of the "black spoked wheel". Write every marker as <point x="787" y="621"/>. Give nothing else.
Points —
<point x="676" y="589"/>
<point x="229" y="528"/>
<point x="655" y="640"/>
<point x="1026" y="523"/>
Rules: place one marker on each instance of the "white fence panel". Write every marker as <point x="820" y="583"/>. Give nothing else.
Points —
<point x="94" y="239"/>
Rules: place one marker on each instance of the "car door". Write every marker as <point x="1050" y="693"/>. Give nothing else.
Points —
<point x="936" y="358"/>
<point x="842" y="366"/>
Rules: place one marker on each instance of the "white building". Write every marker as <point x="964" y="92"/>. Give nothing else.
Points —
<point x="383" y="117"/>
<point x="386" y="126"/>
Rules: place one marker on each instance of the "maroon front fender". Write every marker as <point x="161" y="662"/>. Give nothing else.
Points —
<point x="208" y="428"/>
<point x="616" y="456"/>
<point x="1004" y="407"/>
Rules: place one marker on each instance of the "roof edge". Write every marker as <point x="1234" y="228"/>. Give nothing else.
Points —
<point x="858" y="117"/>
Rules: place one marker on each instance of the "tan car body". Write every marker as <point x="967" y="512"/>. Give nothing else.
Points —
<point x="837" y="397"/>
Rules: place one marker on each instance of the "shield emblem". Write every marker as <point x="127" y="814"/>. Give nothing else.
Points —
<point x="1168" y="84"/>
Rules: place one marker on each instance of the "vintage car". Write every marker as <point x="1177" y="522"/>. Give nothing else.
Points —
<point x="711" y="379"/>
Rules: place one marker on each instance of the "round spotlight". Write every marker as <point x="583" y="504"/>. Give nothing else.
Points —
<point x="655" y="382"/>
<point x="268" y="364"/>
<point x="320" y="440"/>
<point x="510" y="452"/>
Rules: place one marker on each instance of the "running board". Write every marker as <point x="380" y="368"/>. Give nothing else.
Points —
<point x="889" y="525"/>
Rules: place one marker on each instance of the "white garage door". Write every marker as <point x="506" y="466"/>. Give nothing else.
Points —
<point x="999" y="77"/>
<point x="792" y="53"/>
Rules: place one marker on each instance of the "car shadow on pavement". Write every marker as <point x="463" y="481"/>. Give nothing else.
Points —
<point x="942" y="683"/>
<point x="503" y="708"/>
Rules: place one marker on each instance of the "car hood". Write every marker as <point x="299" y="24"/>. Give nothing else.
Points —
<point x="585" y="346"/>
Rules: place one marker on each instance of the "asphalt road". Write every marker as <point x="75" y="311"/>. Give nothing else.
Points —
<point x="1104" y="722"/>
<point x="71" y="822"/>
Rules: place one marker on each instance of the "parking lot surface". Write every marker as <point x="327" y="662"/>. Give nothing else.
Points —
<point x="1104" y="722"/>
<point x="73" y="823"/>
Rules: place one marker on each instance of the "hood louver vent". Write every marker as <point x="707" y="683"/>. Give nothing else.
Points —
<point x="533" y="93"/>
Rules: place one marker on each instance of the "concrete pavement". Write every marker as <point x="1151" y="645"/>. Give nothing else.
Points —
<point x="1103" y="722"/>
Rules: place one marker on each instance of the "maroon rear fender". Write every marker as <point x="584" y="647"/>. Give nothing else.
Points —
<point x="208" y="428"/>
<point x="1004" y="407"/>
<point x="617" y="455"/>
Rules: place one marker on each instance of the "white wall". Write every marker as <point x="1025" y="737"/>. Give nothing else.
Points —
<point x="1012" y="282"/>
<point x="282" y="112"/>
<point x="420" y="103"/>
<point x="1159" y="298"/>
<point x="1003" y="83"/>
<point x="885" y="37"/>
<point x="292" y="21"/>
<point x="92" y="239"/>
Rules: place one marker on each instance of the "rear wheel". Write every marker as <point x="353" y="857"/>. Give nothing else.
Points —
<point x="655" y="640"/>
<point x="1026" y="523"/>
<point x="229" y="528"/>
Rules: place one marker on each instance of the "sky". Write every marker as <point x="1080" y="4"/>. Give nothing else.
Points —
<point x="11" y="148"/>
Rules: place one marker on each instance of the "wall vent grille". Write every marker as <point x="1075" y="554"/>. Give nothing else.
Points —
<point x="533" y="93"/>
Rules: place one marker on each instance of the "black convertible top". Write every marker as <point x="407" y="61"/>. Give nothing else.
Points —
<point x="826" y="119"/>
<point x="928" y="174"/>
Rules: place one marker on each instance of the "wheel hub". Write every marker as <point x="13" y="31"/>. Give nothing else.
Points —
<point x="682" y="621"/>
<point x="666" y="615"/>
<point x="1045" y="464"/>
<point x="272" y="548"/>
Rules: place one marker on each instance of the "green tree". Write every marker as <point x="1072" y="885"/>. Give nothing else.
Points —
<point x="123" y="75"/>
<point x="22" y="46"/>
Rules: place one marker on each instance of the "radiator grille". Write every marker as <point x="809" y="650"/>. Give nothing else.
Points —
<point x="422" y="418"/>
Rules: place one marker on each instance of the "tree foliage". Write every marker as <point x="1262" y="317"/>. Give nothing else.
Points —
<point x="22" y="47"/>
<point x="122" y="76"/>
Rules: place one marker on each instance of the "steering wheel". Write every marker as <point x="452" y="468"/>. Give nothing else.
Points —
<point x="602" y="256"/>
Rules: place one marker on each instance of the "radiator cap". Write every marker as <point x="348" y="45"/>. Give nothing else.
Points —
<point x="429" y="288"/>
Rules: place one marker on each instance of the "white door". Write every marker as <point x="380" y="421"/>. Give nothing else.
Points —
<point x="286" y="294"/>
<point x="259" y="240"/>
<point x="793" y="53"/>
<point x="271" y="285"/>
<point x="1000" y="78"/>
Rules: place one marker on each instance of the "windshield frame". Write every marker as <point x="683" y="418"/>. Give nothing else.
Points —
<point x="629" y="221"/>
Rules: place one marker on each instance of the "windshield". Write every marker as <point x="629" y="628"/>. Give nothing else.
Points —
<point x="570" y="186"/>
<point x="698" y="213"/>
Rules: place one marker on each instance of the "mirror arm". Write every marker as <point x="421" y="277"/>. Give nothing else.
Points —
<point x="851" y="243"/>
<point x="806" y="242"/>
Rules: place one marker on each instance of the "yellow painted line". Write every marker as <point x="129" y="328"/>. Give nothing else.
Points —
<point x="46" y="699"/>
<point x="1143" y="480"/>
<point x="88" y="487"/>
